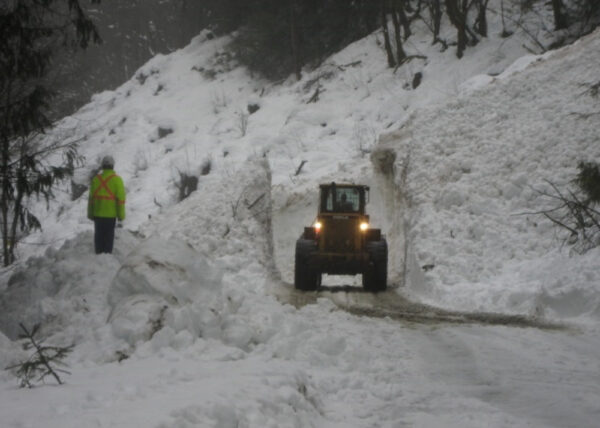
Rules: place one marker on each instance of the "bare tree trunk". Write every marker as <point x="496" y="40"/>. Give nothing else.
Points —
<point x="482" y="26"/>
<point x="400" y="6"/>
<point x="436" y="18"/>
<point x="457" y="12"/>
<point x="17" y="205"/>
<point x="505" y="32"/>
<point x="386" y="35"/>
<point x="183" y="33"/>
<point x="7" y="244"/>
<point x="560" y="18"/>
<point x="397" y="7"/>
<point x="4" y="212"/>
<point x="294" y="40"/>
<point x="13" y="231"/>
<point x="4" y="177"/>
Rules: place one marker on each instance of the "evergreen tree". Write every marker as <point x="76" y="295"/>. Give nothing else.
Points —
<point x="31" y="32"/>
<point x="276" y="38"/>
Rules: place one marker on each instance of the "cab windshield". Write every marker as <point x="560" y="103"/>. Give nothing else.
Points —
<point x="340" y="200"/>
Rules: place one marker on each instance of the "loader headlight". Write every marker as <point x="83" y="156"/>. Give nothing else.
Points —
<point x="364" y="226"/>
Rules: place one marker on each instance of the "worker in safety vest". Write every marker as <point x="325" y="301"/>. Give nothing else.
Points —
<point x="106" y="204"/>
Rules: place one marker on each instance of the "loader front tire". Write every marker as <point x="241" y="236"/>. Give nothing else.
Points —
<point x="305" y="277"/>
<point x="375" y="276"/>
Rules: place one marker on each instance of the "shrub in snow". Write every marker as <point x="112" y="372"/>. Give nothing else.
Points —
<point x="159" y="89"/>
<point x="576" y="210"/>
<point x="253" y="108"/>
<point x="418" y="77"/>
<point x="164" y="131"/>
<point x="206" y="167"/>
<point x="42" y="362"/>
<point x="208" y="74"/>
<point x="186" y="185"/>
<point x="142" y="76"/>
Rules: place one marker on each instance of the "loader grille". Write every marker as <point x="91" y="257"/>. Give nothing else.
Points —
<point x="341" y="234"/>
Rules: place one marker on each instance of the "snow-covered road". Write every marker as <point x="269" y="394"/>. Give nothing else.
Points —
<point x="501" y="376"/>
<point x="329" y="368"/>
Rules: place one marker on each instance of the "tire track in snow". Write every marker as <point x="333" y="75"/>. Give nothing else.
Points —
<point x="393" y="305"/>
<point x="526" y="375"/>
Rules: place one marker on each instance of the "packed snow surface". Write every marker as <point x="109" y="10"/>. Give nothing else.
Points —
<point x="193" y="322"/>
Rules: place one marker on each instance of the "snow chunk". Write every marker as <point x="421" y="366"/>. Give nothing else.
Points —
<point x="519" y="65"/>
<point x="452" y="196"/>
<point x="161" y="279"/>
<point x="475" y="83"/>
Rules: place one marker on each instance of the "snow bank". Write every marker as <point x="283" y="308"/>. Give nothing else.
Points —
<point x="203" y="269"/>
<point x="65" y="290"/>
<point x="198" y="275"/>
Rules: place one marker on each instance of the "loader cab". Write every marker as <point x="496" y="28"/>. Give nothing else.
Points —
<point x="343" y="198"/>
<point x="342" y="225"/>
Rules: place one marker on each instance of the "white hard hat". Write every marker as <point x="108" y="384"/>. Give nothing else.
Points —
<point x="107" y="162"/>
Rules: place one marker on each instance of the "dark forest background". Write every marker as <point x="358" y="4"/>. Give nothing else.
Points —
<point x="277" y="38"/>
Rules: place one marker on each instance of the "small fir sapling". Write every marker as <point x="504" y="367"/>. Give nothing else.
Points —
<point x="43" y="362"/>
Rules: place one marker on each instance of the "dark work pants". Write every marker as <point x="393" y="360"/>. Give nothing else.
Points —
<point x="104" y="234"/>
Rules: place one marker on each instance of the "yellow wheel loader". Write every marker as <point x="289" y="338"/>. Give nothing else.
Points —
<point x="341" y="241"/>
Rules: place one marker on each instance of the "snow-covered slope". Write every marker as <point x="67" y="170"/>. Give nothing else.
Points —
<point x="470" y="175"/>
<point x="182" y="327"/>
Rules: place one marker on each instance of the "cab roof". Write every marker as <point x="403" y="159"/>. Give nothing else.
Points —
<point x="334" y="184"/>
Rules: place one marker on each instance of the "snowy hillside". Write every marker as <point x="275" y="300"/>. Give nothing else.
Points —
<point x="193" y="321"/>
<point x="467" y="215"/>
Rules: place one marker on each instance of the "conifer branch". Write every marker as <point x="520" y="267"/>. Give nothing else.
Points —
<point x="40" y="364"/>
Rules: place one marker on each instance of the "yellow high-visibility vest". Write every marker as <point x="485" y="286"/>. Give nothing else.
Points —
<point x="107" y="196"/>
